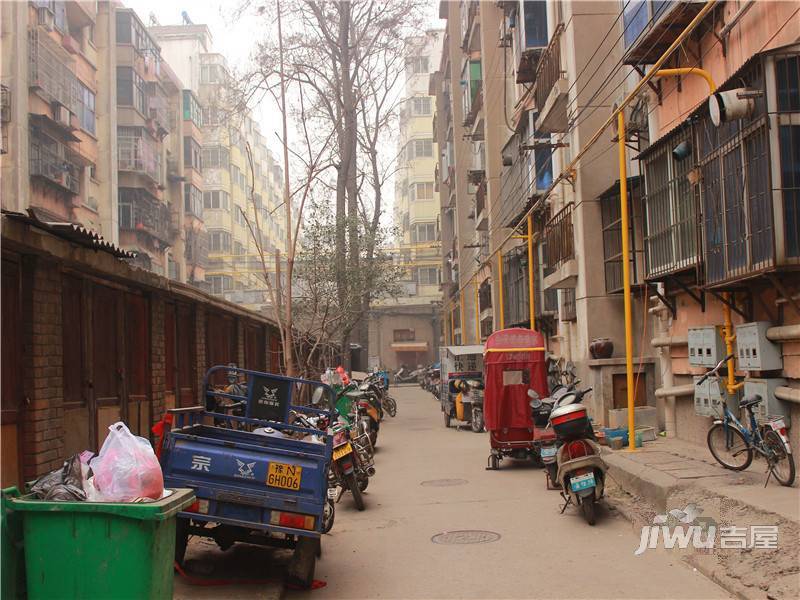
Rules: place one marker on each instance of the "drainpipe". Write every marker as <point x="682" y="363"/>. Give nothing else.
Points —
<point x="786" y="333"/>
<point x="664" y="343"/>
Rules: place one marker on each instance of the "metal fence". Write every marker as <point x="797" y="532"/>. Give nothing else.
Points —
<point x="139" y="211"/>
<point x="51" y="159"/>
<point x="560" y="238"/>
<point x="51" y="70"/>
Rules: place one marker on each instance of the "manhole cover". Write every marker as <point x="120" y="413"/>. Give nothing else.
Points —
<point x="466" y="536"/>
<point x="443" y="482"/>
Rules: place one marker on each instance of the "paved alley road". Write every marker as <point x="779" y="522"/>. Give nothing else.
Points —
<point x="386" y="551"/>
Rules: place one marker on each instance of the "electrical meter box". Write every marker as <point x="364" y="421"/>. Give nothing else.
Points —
<point x="709" y="395"/>
<point x="706" y="346"/>
<point x="770" y="406"/>
<point x="754" y="351"/>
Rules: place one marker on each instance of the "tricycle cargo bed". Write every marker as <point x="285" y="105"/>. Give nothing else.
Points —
<point x="245" y="475"/>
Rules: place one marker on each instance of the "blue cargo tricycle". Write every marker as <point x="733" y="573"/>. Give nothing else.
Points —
<point x="260" y="477"/>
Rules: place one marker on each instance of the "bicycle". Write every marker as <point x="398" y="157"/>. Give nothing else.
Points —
<point x="733" y="445"/>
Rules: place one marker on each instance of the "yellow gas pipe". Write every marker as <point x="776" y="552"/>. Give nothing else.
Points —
<point x="477" y="313"/>
<point x="500" y="290"/>
<point x="531" y="302"/>
<point x="461" y="322"/>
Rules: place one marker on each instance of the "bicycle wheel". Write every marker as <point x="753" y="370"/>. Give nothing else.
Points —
<point x="781" y="462"/>
<point x="729" y="448"/>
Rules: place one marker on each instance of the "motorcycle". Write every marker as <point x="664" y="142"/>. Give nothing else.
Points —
<point x="403" y="375"/>
<point x="580" y="467"/>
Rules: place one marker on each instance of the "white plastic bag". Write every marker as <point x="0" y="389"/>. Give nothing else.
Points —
<point x="126" y="468"/>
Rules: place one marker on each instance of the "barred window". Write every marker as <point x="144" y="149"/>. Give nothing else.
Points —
<point x="216" y="199"/>
<point x="216" y="157"/>
<point x="219" y="241"/>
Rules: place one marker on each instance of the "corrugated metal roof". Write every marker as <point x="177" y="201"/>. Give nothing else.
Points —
<point x="74" y="232"/>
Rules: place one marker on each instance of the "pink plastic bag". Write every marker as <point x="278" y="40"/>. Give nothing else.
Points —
<point x="126" y="468"/>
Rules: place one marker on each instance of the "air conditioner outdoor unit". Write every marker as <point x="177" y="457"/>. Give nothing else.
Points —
<point x="61" y="114"/>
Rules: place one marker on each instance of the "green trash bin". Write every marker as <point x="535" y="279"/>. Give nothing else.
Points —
<point x="99" y="549"/>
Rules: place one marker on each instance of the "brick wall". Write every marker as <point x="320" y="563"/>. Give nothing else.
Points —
<point x="158" y="365"/>
<point x="43" y="437"/>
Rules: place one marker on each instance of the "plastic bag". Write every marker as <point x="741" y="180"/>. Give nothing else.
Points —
<point x="126" y="468"/>
<point x="65" y="483"/>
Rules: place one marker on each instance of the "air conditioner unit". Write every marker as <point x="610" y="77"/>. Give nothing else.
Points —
<point x="46" y="18"/>
<point x="635" y="114"/>
<point x="61" y="114"/>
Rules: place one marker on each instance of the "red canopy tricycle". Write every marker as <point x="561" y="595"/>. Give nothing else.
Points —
<point x="514" y="364"/>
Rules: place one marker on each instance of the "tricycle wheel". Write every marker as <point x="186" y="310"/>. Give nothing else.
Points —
<point x="477" y="420"/>
<point x="181" y="539"/>
<point x="304" y="560"/>
<point x="446" y="419"/>
<point x="352" y="485"/>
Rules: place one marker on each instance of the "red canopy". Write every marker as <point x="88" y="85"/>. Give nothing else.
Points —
<point x="513" y="363"/>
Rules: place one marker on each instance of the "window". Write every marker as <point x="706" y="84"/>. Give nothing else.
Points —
<point x="192" y="200"/>
<point x="238" y="215"/>
<point x="421" y="191"/>
<point x="219" y="241"/>
<point x="238" y="248"/>
<point x="424" y="232"/>
<point x="236" y="176"/>
<point x="417" y="65"/>
<point x="421" y="106"/>
<point x="535" y="23"/>
<point x="403" y="335"/>
<point x="191" y="108"/>
<point x="787" y="83"/>
<point x="419" y="149"/>
<point x="216" y="199"/>
<point x="219" y="283"/>
<point x="86" y="108"/>
<point x="428" y="276"/>
<point x="213" y="74"/>
<point x="212" y="116"/>
<point x="131" y="89"/>
<point x="192" y="154"/>
<point x="216" y="157"/>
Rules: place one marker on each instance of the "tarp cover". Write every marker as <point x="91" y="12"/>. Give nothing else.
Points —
<point x="510" y="374"/>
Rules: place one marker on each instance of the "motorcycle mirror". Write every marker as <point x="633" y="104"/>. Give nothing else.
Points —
<point x="535" y="403"/>
<point x="533" y="394"/>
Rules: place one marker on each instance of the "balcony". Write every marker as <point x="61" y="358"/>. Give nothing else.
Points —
<point x="143" y="213"/>
<point x="529" y="174"/>
<point x="469" y="10"/>
<point x="197" y="248"/>
<point x="51" y="70"/>
<point x="551" y="88"/>
<point x="139" y="154"/>
<point x="158" y="109"/>
<point x="481" y="213"/>
<point x="559" y="239"/>
<point x="53" y="161"/>
<point x="530" y="38"/>
<point x="652" y="25"/>
<point x="612" y="235"/>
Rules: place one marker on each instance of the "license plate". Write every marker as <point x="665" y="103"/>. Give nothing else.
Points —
<point x="342" y="450"/>
<point x="332" y="493"/>
<point x="548" y="451"/>
<point x="777" y="424"/>
<point x="582" y="482"/>
<point x="281" y="475"/>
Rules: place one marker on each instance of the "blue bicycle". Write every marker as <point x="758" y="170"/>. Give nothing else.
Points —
<point x="733" y="445"/>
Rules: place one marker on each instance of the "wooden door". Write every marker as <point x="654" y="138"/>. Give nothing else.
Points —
<point x="255" y="348"/>
<point x="185" y="356"/>
<point x="221" y="344"/>
<point x="107" y="365"/>
<point x="170" y="358"/>
<point x="137" y="352"/>
<point x="78" y="417"/>
<point x="619" y="384"/>
<point x="12" y="390"/>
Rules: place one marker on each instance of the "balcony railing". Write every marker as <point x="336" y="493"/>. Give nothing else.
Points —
<point x="51" y="70"/>
<point x="197" y="248"/>
<point x="158" y="107"/>
<point x="52" y="160"/>
<point x="139" y="211"/>
<point x="559" y="238"/>
<point x="139" y="155"/>
<point x="549" y="70"/>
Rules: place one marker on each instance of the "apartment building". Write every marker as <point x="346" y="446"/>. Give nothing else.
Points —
<point x="233" y="193"/>
<point x="405" y="330"/>
<point x="58" y="115"/>
<point x="720" y="203"/>
<point x="712" y="202"/>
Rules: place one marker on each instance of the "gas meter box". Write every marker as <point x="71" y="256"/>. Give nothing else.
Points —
<point x="706" y="346"/>
<point x="754" y="351"/>
<point x="770" y="407"/>
<point x="709" y="396"/>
